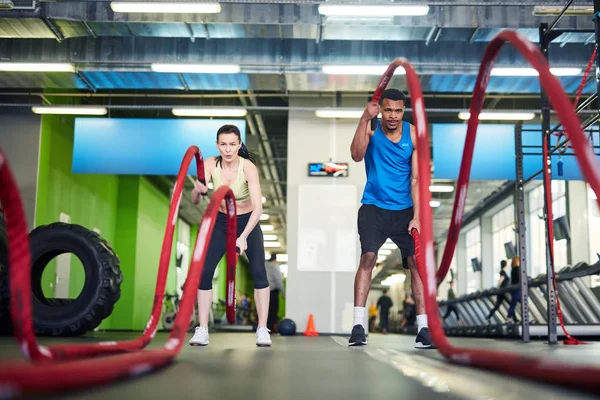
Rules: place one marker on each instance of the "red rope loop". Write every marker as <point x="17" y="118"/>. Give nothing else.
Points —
<point x="581" y="377"/>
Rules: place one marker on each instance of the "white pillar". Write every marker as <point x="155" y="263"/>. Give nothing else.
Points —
<point x="321" y="288"/>
<point x="461" y="265"/>
<point x="487" y="253"/>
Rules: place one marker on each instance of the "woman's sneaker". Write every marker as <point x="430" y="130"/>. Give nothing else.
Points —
<point x="200" y="337"/>
<point x="263" y="338"/>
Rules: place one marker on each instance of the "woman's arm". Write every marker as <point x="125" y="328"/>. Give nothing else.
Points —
<point x="199" y="187"/>
<point x="251" y="174"/>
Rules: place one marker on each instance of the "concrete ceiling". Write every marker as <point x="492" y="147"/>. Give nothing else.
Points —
<point x="280" y="46"/>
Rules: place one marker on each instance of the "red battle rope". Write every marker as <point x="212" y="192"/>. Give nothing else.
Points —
<point x="26" y="378"/>
<point x="18" y="272"/>
<point x="570" y="340"/>
<point x="580" y="377"/>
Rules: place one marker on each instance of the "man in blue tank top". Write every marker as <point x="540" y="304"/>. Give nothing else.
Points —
<point x="390" y="206"/>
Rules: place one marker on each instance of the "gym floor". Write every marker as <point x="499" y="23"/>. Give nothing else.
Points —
<point x="232" y="367"/>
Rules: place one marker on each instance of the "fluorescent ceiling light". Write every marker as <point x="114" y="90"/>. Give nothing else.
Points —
<point x="359" y="70"/>
<point x="339" y="113"/>
<point x="373" y="10"/>
<point x="210" y="185"/>
<point x="267" y="255"/>
<point x="69" y="110"/>
<point x="441" y="188"/>
<point x="505" y="116"/>
<point x="263" y="199"/>
<point x="282" y="257"/>
<point x="389" y="246"/>
<point x="36" y="67"/>
<point x="267" y="228"/>
<point x="565" y="71"/>
<point x="393" y="279"/>
<point x="434" y="203"/>
<point x="533" y="72"/>
<point x="381" y="258"/>
<point x="384" y="252"/>
<point x="165" y="7"/>
<point x="196" y="68"/>
<point x="270" y="237"/>
<point x="554" y="10"/>
<point x="272" y="244"/>
<point x="209" y="112"/>
<point x="264" y="217"/>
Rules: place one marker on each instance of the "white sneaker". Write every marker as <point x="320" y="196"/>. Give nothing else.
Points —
<point x="263" y="339"/>
<point x="200" y="337"/>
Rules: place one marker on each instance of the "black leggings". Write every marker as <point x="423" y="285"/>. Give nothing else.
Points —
<point x="216" y="249"/>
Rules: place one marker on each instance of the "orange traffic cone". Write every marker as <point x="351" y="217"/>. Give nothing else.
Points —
<point x="310" y="328"/>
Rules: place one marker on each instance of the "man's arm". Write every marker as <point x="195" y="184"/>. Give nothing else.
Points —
<point x="363" y="132"/>
<point x="414" y="182"/>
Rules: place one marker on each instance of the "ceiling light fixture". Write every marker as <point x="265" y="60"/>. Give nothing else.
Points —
<point x="166" y="7"/>
<point x="69" y="110"/>
<point x="503" y="116"/>
<point x="196" y="68"/>
<point x="272" y="244"/>
<point x="36" y="67"/>
<point x="441" y="188"/>
<point x="359" y="70"/>
<point x="373" y="10"/>
<point x="499" y="71"/>
<point x="339" y="113"/>
<point x="434" y="203"/>
<point x="209" y="112"/>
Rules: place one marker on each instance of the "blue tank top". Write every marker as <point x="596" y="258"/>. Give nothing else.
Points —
<point x="388" y="167"/>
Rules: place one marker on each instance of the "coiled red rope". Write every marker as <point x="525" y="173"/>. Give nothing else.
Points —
<point x="50" y="376"/>
<point x="580" y="377"/>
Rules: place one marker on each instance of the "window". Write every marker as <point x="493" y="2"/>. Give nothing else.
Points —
<point x="537" y="230"/>
<point x="473" y="250"/>
<point x="503" y="224"/>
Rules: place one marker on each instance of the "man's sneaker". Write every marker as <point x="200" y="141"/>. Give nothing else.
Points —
<point x="263" y="338"/>
<point x="423" y="340"/>
<point x="200" y="337"/>
<point x="358" y="337"/>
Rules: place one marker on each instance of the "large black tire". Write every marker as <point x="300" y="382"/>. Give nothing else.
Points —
<point x="66" y="317"/>
<point x="101" y="289"/>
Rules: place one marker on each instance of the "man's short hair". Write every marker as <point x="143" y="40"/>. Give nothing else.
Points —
<point x="273" y="257"/>
<point x="393" y="94"/>
<point x="502" y="263"/>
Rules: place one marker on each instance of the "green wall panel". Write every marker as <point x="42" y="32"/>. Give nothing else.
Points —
<point x="129" y="211"/>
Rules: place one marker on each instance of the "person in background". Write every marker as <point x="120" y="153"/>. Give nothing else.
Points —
<point x="384" y="304"/>
<point x="275" y="279"/>
<point x="372" y="316"/>
<point x="515" y="279"/>
<point x="409" y="314"/>
<point x="451" y="308"/>
<point x="503" y="281"/>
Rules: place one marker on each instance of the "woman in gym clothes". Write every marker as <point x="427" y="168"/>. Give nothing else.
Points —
<point x="234" y="167"/>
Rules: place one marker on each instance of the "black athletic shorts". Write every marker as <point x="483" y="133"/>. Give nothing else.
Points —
<point x="376" y="225"/>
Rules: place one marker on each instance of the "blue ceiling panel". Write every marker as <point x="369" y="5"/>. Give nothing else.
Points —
<point x="217" y="81"/>
<point x="134" y="80"/>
